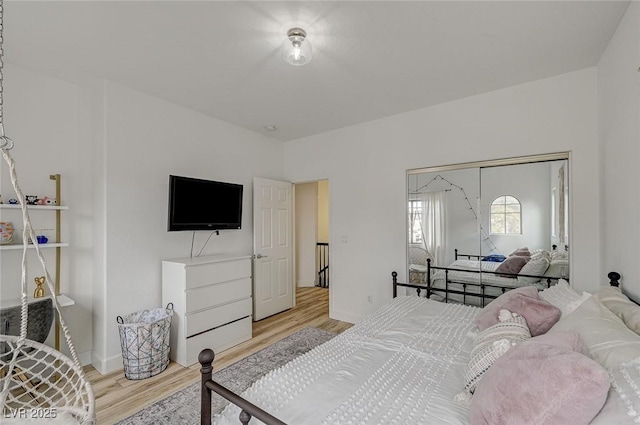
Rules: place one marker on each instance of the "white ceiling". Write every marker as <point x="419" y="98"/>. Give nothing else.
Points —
<point x="371" y="58"/>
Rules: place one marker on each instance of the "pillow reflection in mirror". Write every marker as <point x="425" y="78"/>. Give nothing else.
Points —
<point x="537" y="266"/>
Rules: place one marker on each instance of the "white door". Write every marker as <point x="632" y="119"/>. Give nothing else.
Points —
<point x="273" y="289"/>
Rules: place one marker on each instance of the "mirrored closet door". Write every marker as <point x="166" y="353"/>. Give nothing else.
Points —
<point x="474" y="217"/>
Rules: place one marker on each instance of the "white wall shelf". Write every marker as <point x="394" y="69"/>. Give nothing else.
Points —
<point x="63" y="301"/>
<point x="34" y="207"/>
<point x="31" y="246"/>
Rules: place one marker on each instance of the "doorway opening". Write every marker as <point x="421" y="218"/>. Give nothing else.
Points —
<point x="312" y="249"/>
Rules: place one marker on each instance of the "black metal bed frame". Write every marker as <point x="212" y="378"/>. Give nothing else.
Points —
<point x="248" y="409"/>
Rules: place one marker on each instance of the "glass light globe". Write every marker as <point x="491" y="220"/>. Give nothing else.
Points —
<point x="296" y="50"/>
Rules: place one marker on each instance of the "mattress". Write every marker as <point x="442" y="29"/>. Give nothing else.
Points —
<point x="403" y="364"/>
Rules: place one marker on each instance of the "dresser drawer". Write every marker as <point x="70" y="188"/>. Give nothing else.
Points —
<point x="217" y="294"/>
<point x="217" y="316"/>
<point x="210" y="273"/>
<point x="218" y="339"/>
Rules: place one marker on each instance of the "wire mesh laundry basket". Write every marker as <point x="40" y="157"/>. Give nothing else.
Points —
<point x="144" y="339"/>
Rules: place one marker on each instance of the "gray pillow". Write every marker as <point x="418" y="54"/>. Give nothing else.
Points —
<point x="512" y="264"/>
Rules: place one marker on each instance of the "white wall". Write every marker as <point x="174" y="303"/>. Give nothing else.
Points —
<point x="619" y="125"/>
<point x="306" y="210"/>
<point x="146" y="140"/>
<point x="366" y="165"/>
<point x="323" y="211"/>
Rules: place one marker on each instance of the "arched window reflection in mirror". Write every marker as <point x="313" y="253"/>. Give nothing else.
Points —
<point x="506" y="216"/>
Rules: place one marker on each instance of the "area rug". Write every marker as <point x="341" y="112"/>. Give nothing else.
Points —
<point x="183" y="406"/>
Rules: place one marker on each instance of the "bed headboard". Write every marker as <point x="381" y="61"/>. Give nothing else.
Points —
<point x="614" y="279"/>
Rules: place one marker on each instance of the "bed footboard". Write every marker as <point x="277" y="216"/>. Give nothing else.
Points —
<point x="248" y="409"/>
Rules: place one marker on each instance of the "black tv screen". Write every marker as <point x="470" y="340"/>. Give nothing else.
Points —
<point x="196" y="204"/>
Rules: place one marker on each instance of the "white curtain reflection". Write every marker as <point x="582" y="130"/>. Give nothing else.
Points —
<point x="434" y="225"/>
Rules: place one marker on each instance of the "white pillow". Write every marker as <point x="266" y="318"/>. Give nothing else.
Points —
<point x="563" y="296"/>
<point x="624" y="381"/>
<point x="621" y="306"/>
<point x="536" y="266"/>
<point x="541" y="253"/>
<point x="608" y="339"/>
<point x="559" y="255"/>
<point x="558" y="268"/>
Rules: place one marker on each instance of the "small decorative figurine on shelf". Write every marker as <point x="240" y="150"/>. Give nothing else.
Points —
<point x="42" y="239"/>
<point x="39" y="292"/>
<point x="1" y="201"/>
<point x="31" y="199"/>
<point x="47" y="201"/>
<point x="13" y="201"/>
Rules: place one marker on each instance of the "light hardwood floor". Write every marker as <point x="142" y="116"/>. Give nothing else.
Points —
<point x="118" y="397"/>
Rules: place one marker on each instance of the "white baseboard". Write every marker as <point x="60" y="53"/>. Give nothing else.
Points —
<point x="85" y="358"/>
<point x="106" y="366"/>
<point x="305" y="283"/>
<point x="345" y="316"/>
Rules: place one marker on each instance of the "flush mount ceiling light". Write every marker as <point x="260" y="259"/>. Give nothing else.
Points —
<point x="296" y="50"/>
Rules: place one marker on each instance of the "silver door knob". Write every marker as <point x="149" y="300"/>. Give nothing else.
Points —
<point x="261" y="256"/>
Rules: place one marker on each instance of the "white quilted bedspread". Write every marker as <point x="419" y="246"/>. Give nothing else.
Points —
<point x="403" y="364"/>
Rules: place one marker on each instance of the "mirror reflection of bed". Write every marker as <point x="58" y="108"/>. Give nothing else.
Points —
<point x="466" y="221"/>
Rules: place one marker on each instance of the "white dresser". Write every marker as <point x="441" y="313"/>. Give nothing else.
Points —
<point x="212" y="303"/>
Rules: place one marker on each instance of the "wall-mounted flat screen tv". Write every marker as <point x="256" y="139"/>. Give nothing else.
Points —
<point x="196" y="204"/>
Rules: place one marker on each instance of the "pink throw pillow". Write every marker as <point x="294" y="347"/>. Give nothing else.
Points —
<point x="541" y="381"/>
<point x="567" y="340"/>
<point x="525" y="301"/>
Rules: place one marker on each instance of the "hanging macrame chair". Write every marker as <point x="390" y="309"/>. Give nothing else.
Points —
<point x="38" y="384"/>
